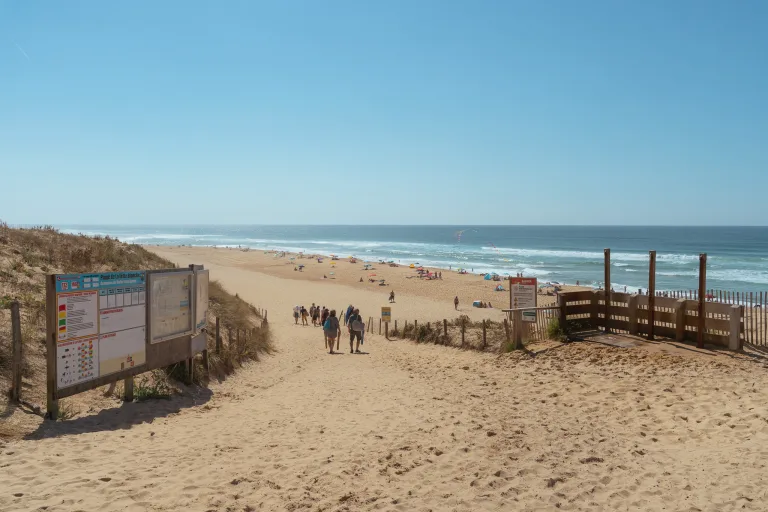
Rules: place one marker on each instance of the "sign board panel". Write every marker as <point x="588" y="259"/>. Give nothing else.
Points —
<point x="386" y="314"/>
<point x="170" y="299"/>
<point x="201" y="300"/>
<point x="523" y="293"/>
<point x="77" y="361"/>
<point x="100" y="324"/>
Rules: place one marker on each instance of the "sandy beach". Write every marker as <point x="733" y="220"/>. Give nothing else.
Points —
<point x="404" y="427"/>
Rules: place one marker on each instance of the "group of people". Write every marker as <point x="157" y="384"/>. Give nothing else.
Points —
<point x="317" y="314"/>
<point x="332" y="329"/>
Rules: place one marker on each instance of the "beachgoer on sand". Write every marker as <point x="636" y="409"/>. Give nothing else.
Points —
<point x="314" y="313"/>
<point x="323" y="317"/>
<point x="348" y="313"/>
<point x="296" y="311"/>
<point x="331" y="330"/>
<point x="304" y="316"/>
<point x="392" y="296"/>
<point x="456" y="303"/>
<point x="356" y="328"/>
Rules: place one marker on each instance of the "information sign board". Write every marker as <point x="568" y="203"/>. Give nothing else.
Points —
<point x="523" y="294"/>
<point x="100" y="324"/>
<point x="201" y="300"/>
<point x="170" y="305"/>
<point x="386" y="314"/>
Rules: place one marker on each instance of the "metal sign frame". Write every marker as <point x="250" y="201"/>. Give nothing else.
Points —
<point x="191" y="297"/>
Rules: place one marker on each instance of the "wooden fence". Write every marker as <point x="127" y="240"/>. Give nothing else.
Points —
<point x="754" y="314"/>
<point x="672" y="317"/>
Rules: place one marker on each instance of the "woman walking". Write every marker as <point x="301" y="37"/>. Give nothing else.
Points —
<point x="331" y="330"/>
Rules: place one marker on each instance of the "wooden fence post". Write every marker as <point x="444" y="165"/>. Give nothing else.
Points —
<point x="632" y="313"/>
<point x="16" y="351"/>
<point x="562" y="302"/>
<point x="485" y="341"/>
<point x="206" y="361"/>
<point x="680" y="320"/>
<point x="651" y="293"/>
<point x="128" y="389"/>
<point x="462" y="331"/>
<point x="218" y="337"/>
<point x="517" y="328"/>
<point x="445" y="329"/>
<point x="506" y="332"/>
<point x="607" y="254"/>
<point x="386" y="330"/>
<point x="51" y="321"/>
<point x="379" y="326"/>
<point x="734" y="336"/>
<point x="396" y="327"/>
<point x="702" y="302"/>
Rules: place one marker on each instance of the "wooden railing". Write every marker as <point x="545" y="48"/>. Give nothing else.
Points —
<point x="672" y="318"/>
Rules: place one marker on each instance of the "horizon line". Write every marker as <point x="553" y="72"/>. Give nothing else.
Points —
<point x="32" y="225"/>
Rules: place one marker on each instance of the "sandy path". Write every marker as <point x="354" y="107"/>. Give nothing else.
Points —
<point x="409" y="427"/>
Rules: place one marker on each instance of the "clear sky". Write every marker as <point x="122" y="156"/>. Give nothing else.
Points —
<point x="388" y="112"/>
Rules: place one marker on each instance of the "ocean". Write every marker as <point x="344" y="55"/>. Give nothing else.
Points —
<point x="737" y="256"/>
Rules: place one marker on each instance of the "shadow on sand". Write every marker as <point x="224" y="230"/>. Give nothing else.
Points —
<point x="122" y="417"/>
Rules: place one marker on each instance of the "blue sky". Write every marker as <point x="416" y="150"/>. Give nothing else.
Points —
<point x="398" y="112"/>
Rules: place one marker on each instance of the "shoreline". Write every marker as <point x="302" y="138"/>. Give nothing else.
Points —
<point x="401" y="278"/>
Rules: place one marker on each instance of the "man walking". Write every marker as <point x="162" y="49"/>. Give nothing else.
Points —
<point x="356" y="327"/>
<point x="456" y="303"/>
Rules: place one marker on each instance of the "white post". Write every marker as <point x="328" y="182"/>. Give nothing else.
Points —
<point x="734" y="342"/>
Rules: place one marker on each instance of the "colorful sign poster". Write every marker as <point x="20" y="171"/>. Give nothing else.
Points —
<point x="523" y="294"/>
<point x="77" y="315"/>
<point x="77" y="361"/>
<point x="171" y="315"/>
<point x="201" y="302"/>
<point x="107" y="310"/>
<point x="386" y="314"/>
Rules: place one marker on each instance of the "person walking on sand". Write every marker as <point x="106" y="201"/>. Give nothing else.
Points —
<point x="456" y="303"/>
<point x="316" y="316"/>
<point x="331" y="330"/>
<point x="296" y="310"/>
<point x="304" y="316"/>
<point x="348" y="313"/>
<point x="323" y="317"/>
<point x="355" y="327"/>
<point x="392" y="296"/>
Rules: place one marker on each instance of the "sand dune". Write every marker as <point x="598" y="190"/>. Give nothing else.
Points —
<point x="413" y="427"/>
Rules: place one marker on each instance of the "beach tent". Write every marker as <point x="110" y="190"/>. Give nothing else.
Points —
<point x="499" y="288"/>
<point x="488" y="277"/>
<point x="476" y="304"/>
<point x="412" y="265"/>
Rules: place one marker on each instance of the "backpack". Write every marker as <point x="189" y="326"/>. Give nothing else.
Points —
<point x="327" y="324"/>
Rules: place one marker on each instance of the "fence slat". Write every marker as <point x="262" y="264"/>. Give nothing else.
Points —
<point x="16" y="352"/>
